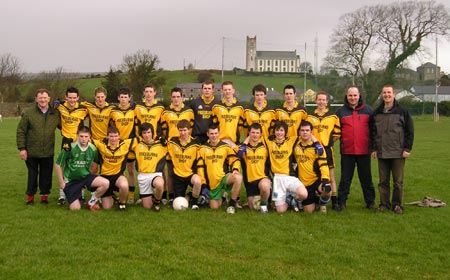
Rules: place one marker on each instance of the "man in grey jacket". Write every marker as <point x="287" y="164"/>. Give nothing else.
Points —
<point x="36" y="143"/>
<point x="392" y="138"/>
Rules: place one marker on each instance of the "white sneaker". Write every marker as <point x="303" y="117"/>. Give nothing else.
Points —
<point x="195" y="207"/>
<point x="231" y="210"/>
<point x="264" y="209"/>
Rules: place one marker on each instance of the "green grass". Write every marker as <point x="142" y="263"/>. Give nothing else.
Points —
<point x="51" y="242"/>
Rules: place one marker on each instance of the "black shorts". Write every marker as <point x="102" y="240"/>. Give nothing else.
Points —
<point x="311" y="193"/>
<point x="252" y="188"/>
<point x="330" y="156"/>
<point x="73" y="189"/>
<point x="112" y="184"/>
<point x="180" y="185"/>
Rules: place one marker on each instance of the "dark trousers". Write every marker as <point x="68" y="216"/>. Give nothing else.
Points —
<point x="385" y="167"/>
<point x="42" y="169"/>
<point x="348" y="164"/>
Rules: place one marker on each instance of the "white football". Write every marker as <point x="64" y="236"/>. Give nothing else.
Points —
<point x="180" y="203"/>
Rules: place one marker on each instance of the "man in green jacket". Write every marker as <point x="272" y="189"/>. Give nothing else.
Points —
<point x="36" y="143"/>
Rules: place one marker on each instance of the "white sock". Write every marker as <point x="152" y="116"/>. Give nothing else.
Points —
<point x="93" y="199"/>
<point x="62" y="194"/>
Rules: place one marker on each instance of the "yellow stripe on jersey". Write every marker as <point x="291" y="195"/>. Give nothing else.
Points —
<point x="150" y="158"/>
<point x="213" y="162"/>
<point x="123" y="119"/>
<point x="265" y="117"/>
<point x="310" y="165"/>
<point x="113" y="161"/>
<point x="292" y="117"/>
<point x="280" y="155"/>
<point x="71" y="118"/>
<point x="183" y="156"/>
<point x="171" y="117"/>
<point x="326" y="127"/>
<point x="230" y="119"/>
<point x="98" y="119"/>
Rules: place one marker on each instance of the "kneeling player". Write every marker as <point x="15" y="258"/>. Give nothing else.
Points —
<point x="73" y="169"/>
<point x="312" y="169"/>
<point x="255" y="165"/>
<point x="150" y="160"/>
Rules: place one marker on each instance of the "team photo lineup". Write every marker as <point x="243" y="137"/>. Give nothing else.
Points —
<point x="201" y="154"/>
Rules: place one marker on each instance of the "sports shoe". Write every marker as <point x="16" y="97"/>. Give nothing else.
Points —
<point x="195" y="207"/>
<point x="156" y="207"/>
<point x="61" y="201"/>
<point x="323" y="209"/>
<point x="94" y="207"/>
<point x="164" y="201"/>
<point x="371" y="206"/>
<point x="231" y="210"/>
<point x="398" y="209"/>
<point x="44" y="199"/>
<point x="335" y="207"/>
<point x="264" y="209"/>
<point x="341" y="207"/>
<point x="122" y="207"/>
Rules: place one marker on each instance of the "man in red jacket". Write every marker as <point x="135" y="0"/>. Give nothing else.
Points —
<point x="355" y="122"/>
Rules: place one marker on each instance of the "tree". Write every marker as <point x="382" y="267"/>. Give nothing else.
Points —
<point x="10" y="77"/>
<point x="112" y="84"/>
<point x="141" y="68"/>
<point x="204" y="75"/>
<point x="306" y="67"/>
<point x="382" y="38"/>
<point x="56" y="81"/>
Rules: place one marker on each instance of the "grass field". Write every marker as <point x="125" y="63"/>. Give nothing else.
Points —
<point x="50" y="242"/>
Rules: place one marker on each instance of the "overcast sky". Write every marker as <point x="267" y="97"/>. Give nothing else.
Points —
<point x="92" y="35"/>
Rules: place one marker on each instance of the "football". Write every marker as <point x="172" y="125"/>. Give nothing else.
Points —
<point x="180" y="203"/>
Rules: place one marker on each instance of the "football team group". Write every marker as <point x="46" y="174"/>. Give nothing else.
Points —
<point x="207" y="150"/>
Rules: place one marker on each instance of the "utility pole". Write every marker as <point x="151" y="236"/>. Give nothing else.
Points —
<point x="223" y="55"/>
<point x="304" y="80"/>
<point x="436" y="79"/>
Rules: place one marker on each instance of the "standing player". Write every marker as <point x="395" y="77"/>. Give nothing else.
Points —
<point x="326" y="129"/>
<point x="291" y="112"/>
<point x="36" y="143"/>
<point x="150" y="160"/>
<point x="312" y="169"/>
<point x="280" y="149"/>
<point x="229" y="116"/>
<point x="74" y="172"/>
<point x="183" y="154"/>
<point x="260" y="112"/>
<point x="214" y="161"/>
<point x="72" y="116"/>
<point x="99" y="113"/>
<point x="255" y="165"/>
<point x="113" y="158"/>
<point x="149" y="111"/>
<point x="202" y="107"/>
<point x="122" y="117"/>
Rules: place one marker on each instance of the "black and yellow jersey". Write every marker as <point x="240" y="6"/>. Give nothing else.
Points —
<point x="71" y="119"/>
<point x="98" y="119"/>
<point x="310" y="166"/>
<point x="202" y="114"/>
<point x="113" y="161"/>
<point x="183" y="156"/>
<point x="280" y="155"/>
<point x="123" y="119"/>
<point x="326" y="127"/>
<point x="150" y="157"/>
<point x="255" y="162"/>
<point x="214" y="162"/>
<point x="265" y="116"/>
<point x="292" y="117"/>
<point x="171" y="117"/>
<point x="230" y="118"/>
<point x="149" y="113"/>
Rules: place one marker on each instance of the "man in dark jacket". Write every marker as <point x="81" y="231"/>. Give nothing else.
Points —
<point x="355" y="117"/>
<point x="392" y="138"/>
<point x="36" y="143"/>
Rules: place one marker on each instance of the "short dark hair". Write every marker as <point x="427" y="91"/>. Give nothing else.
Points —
<point x="176" y="89"/>
<point x="280" y="124"/>
<point x="305" y="123"/>
<point x="213" y="126"/>
<point x="322" y="93"/>
<point x="208" y="82"/>
<point x="227" y="83"/>
<point x="146" y="126"/>
<point x="259" y="87"/>
<point x="183" y="124"/>
<point x="72" y="89"/>
<point x="100" y="89"/>
<point x="83" y="129"/>
<point x="255" y="125"/>
<point x="289" y="87"/>
<point x="41" y="90"/>
<point x="150" y="86"/>
<point x="113" y="129"/>
<point x="125" y="90"/>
